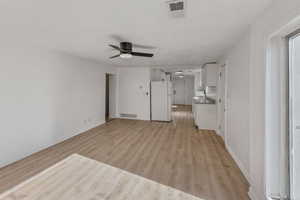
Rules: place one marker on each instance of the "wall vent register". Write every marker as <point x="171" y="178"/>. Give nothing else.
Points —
<point x="126" y="115"/>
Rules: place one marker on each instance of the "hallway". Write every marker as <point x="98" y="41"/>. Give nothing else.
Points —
<point x="174" y="154"/>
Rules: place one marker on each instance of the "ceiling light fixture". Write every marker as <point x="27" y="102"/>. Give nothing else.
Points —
<point x="178" y="72"/>
<point x="181" y="76"/>
<point x="126" y="55"/>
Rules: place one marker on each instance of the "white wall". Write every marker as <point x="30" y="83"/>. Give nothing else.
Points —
<point x="133" y="86"/>
<point x="273" y="19"/>
<point x="158" y="74"/>
<point x="237" y="103"/>
<point x="46" y="98"/>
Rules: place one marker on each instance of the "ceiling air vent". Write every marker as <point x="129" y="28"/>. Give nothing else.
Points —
<point x="177" y="8"/>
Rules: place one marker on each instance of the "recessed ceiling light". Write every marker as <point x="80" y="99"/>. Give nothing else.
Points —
<point x="126" y="55"/>
<point x="181" y="76"/>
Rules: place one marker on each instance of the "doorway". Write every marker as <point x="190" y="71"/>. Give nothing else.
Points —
<point x="110" y="96"/>
<point x="183" y="90"/>
<point x="179" y="93"/>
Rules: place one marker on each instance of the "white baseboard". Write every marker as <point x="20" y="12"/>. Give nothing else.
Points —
<point x="99" y="124"/>
<point x="254" y="195"/>
<point x="219" y="133"/>
<point x="239" y="163"/>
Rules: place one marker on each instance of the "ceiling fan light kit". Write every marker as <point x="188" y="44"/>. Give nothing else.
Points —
<point x="126" y="55"/>
<point x="178" y="72"/>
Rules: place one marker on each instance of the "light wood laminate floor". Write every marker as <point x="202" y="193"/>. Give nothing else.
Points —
<point x="174" y="154"/>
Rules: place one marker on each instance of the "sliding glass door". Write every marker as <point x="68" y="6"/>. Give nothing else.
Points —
<point x="294" y="115"/>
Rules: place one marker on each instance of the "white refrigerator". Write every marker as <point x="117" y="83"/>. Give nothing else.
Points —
<point x="161" y="101"/>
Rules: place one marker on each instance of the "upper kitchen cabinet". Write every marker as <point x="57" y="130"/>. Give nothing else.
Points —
<point x="199" y="82"/>
<point x="207" y="76"/>
<point x="211" y="75"/>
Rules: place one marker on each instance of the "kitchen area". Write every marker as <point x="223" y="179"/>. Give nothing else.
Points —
<point x="197" y="88"/>
<point x="204" y="105"/>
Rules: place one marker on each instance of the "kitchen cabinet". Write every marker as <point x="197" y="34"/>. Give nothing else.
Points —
<point x="205" y="116"/>
<point x="211" y="75"/>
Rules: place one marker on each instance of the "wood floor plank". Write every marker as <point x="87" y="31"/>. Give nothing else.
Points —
<point x="174" y="154"/>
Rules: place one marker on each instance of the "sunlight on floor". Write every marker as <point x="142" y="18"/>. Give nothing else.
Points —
<point x="82" y="178"/>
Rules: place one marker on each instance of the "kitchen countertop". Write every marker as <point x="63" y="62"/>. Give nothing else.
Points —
<point x="204" y="100"/>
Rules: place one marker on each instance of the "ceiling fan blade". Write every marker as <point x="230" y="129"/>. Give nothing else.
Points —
<point x="119" y="38"/>
<point x="115" y="47"/>
<point x="143" y="46"/>
<point x="115" y="56"/>
<point x="142" y="54"/>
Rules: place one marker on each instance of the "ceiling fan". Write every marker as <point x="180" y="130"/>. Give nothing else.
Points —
<point x="126" y="51"/>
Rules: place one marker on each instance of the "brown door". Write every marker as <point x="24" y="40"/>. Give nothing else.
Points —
<point x="107" y="97"/>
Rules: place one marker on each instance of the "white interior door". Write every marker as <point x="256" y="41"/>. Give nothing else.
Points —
<point x="179" y="95"/>
<point x="159" y="95"/>
<point x="184" y="90"/>
<point x="189" y="90"/>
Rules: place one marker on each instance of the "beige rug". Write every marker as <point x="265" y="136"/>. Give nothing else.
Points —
<point x="81" y="178"/>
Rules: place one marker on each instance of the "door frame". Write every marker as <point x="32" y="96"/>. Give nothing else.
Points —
<point x="225" y="99"/>
<point x="226" y="104"/>
<point x="277" y="111"/>
<point x="107" y="88"/>
<point x="111" y="88"/>
<point x="276" y="117"/>
<point x="290" y="37"/>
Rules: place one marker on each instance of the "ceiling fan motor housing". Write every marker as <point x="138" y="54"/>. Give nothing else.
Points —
<point x="126" y="46"/>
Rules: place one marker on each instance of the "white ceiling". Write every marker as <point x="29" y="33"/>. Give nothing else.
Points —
<point x="85" y="27"/>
